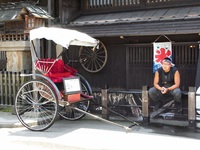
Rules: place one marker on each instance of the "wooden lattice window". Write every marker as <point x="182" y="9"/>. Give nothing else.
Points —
<point x="159" y="1"/>
<point x="30" y="23"/>
<point x="33" y="22"/>
<point x="185" y="53"/>
<point x="113" y="3"/>
<point x="140" y="54"/>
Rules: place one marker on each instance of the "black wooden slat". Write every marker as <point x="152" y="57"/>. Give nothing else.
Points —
<point x="1" y="88"/>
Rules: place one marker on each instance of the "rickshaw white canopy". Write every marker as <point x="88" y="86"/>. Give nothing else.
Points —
<point x="63" y="37"/>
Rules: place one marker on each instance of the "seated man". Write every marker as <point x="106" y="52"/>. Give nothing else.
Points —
<point x="166" y="83"/>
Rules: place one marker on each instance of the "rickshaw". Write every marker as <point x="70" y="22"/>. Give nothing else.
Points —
<point x="54" y="89"/>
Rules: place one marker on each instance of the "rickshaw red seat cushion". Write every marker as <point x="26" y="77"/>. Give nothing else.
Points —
<point x="58" y="77"/>
<point x="58" y="67"/>
<point x="58" y="71"/>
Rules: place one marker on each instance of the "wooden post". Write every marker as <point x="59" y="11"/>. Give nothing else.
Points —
<point x="192" y="107"/>
<point x="145" y="105"/>
<point x="104" y="98"/>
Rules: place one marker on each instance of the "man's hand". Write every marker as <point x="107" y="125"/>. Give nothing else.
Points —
<point x="164" y="90"/>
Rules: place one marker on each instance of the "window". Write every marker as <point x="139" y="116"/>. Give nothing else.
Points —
<point x="32" y="22"/>
<point x="101" y="3"/>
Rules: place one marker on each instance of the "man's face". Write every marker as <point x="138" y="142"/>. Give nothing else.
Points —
<point x="166" y="66"/>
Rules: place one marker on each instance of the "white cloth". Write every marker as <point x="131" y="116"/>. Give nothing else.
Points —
<point x="63" y="37"/>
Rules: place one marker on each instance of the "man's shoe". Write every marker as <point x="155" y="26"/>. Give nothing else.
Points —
<point x="157" y="106"/>
<point x="178" y="106"/>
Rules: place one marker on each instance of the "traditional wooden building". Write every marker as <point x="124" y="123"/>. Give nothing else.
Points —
<point x="16" y="20"/>
<point x="128" y="28"/>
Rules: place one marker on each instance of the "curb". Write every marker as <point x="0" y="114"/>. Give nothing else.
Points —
<point x="10" y="125"/>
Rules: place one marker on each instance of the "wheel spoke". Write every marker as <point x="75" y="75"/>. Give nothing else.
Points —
<point x="93" y="60"/>
<point x="71" y="114"/>
<point x="36" y="105"/>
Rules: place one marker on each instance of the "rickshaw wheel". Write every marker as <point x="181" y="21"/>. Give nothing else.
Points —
<point x="36" y="105"/>
<point x="93" y="59"/>
<point x="71" y="114"/>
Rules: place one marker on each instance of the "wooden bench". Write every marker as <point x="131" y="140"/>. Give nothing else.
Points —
<point x="147" y="115"/>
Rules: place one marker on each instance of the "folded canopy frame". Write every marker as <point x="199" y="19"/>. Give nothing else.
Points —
<point x="61" y="36"/>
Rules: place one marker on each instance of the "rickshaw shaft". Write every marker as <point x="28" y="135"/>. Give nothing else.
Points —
<point x="104" y="120"/>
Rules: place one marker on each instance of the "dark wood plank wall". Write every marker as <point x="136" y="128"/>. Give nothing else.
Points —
<point x="185" y="56"/>
<point x="114" y="72"/>
<point x="139" y="64"/>
<point x="130" y="66"/>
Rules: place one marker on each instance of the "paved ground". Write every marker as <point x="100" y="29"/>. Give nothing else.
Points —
<point x="91" y="134"/>
<point x="96" y="135"/>
<point x="9" y="120"/>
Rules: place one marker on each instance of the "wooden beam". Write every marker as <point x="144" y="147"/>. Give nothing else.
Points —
<point x="192" y="107"/>
<point x="145" y="105"/>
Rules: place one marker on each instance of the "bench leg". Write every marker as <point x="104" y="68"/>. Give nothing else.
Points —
<point x="105" y="113"/>
<point x="145" y="105"/>
<point x="192" y="107"/>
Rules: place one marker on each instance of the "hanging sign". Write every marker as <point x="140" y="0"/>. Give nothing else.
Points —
<point x="161" y="50"/>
